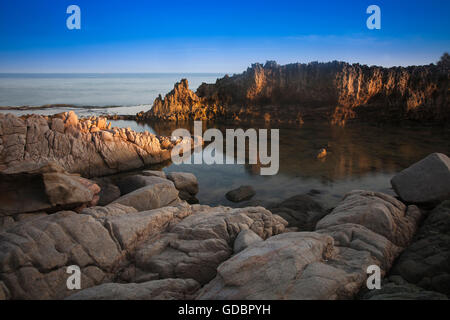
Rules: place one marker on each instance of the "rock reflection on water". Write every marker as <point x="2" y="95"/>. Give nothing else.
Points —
<point x="358" y="157"/>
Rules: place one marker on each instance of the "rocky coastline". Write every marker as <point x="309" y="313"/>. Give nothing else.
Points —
<point x="141" y="236"/>
<point x="335" y="91"/>
<point x="87" y="146"/>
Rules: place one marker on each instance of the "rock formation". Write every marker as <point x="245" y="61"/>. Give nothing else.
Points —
<point x="32" y="187"/>
<point x="330" y="263"/>
<point x="425" y="182"/>
<point x="117" y="243"/>
<point x="86" y="146"/>
<point x="426" y="262"/>
<point x="336" y="91"/>
<point x="149" y="244"/>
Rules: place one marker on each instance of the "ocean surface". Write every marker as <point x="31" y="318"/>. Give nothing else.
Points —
<point x="360" y="157"/>
<point x="130" y="93"/>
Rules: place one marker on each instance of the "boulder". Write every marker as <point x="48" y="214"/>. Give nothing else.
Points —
<point x="34" y="254"/>
<point x="427" y="181"/>
<point x="300" y="211"/>
<point x="116" y="243"/>
<point x="166" y="289"/>
<point x="160" y="193"/>
<point x="32" y="187"/>
<point x="240" y="194"/>
<point x="426" y="262"/>
<point x="186" y="183"/>
<point x="244" y="239"/>
<point x="193" y="248"/>
<point x="378" y="212"/>
<point x="330" y="263"/>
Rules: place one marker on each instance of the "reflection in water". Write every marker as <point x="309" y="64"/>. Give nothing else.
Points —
<point x="359" y="157"/>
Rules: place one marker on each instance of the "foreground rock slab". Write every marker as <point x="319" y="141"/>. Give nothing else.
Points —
<point x="119" y="244"/>
<point x="156" y="194"/>
<point x="194" y="248"/>
<point x="330" y="263"/>
<point x="427" y="181"/>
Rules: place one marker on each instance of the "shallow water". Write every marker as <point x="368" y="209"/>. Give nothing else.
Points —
<point x="359" y="157"/>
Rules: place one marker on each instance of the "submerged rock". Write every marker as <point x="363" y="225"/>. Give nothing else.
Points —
<point x="240" y="194"/>
<point x="427" y="181"/>
<point x="300" y="211"/>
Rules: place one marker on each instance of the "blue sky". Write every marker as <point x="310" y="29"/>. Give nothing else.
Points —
<point x="216" y="36"/>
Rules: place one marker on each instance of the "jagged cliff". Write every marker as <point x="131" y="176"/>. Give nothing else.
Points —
<point x="336" y="91"/>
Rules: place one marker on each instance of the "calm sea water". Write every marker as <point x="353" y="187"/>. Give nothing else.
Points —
<point x="359" y="157"/>
<point x="133" y="92"/>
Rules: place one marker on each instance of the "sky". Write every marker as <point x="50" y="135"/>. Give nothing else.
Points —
<point x="216" y="36"/>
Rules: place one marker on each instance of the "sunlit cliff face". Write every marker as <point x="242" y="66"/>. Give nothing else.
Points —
<point x="334" y="91"/>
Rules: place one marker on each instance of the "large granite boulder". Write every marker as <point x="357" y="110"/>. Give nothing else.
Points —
<point x="166" y="289"/>
<point x="300" y="211"/>
<point x="427" y="181"/>
<point x="116" y="243"/>
<point x="33" y="187"/>
<point x="86" y="146"/>
<point x="156" y="194"/>
<point x="193" y="248"/>
<point x="35" y="254"/>
<point x="330" y="263"/>
<point x="426" y="262"/>
<point x="186" y="183"/>
<point x="379" y="212"/>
